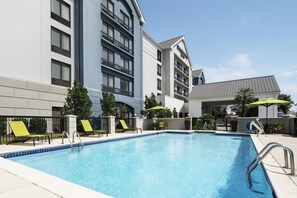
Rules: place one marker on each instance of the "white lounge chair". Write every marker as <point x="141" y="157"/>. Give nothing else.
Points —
<point x="258" y="125"/>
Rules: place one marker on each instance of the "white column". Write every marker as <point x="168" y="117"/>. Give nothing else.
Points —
<point x="111" y="124"/>
<point x="71" y="124"/>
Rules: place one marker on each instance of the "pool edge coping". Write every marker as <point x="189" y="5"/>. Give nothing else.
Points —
<point x="15" y="168"/>
<point x="280" y="182"/>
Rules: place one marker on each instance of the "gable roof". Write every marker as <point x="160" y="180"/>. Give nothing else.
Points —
<point x="138" y="10"/>
<point x="171" y="42"/>
<point x="263" y="84"/>
<point x="196" y="73"/>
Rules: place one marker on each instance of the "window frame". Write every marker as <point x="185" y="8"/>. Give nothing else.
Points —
<point x="108" y="28"/>
<point x="159" y="84"/>
<point x="59" y="49"/>
<point x="125" y="17"/>
<point x="159" y="70"/>
<point x="58" y="17"/>
<point x="60" y="81"/>
<point x="123" y="40"/>
<point x="109" y="76"/>
<point x="108" y="55"/>
<point x="159" y="55"/>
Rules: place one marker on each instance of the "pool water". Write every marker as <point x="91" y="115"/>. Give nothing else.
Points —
<point x="163" y="165"/>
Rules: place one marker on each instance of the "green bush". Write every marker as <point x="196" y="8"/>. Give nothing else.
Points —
<point x="198" y="123"/>
<point x="37" y="125"/>
<point x="3" y="125"/>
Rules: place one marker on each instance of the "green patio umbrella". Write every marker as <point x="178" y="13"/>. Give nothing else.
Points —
<point x="267" y="102"/>
<point x="158" y="108"/>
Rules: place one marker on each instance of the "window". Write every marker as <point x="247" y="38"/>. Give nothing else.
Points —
<point x="60" y="42"/>
<point x="60" y="11"/>
<point x="124" y="85"/>
<point x="108" y="80"/>
<point x="108" y="4"/>
<point x="159" y="70"/>
<point x="125" y="19"/>
<point x="125" y="63"/>
<point x="159" y="84"/>
<point x="108" y="55"/>
<point x="125" y="42"/>
<point x="159" y="55"/>
<point x="108" y="31"/>
<point x="61" y="73"/>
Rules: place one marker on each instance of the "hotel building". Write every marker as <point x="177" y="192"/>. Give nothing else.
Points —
<point x="36" y="56"/>
<point x="167" y="72"/>
<point x="109" y="51"/>
<point x="45" y="45"/>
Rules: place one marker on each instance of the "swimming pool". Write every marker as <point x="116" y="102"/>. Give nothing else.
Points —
<point x="163" y="165"/>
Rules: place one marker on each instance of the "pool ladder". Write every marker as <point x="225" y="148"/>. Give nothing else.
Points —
<point x="204" y="126"/>
<point x="264" y="152"/>
<point x="77" y="135"/>
<point x="67" y="135"/>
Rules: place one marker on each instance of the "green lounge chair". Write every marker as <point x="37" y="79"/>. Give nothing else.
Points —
<point x="22" y="134"/>
<point x="126" y="128"/>
<point x="88" y="130"/>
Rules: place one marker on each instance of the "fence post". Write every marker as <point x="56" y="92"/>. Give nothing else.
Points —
<point x="71" y="124"/>
<point x="138" y="122"/>
<point x="111" y="124"/>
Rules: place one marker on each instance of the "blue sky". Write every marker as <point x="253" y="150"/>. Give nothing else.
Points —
<point x="231" y="39"/>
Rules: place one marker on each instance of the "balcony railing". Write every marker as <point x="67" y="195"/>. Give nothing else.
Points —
<point x="180" y="68"/>
<point x="117" y="91"/>
<point x="181" y="93"/>
<point x="116" y="67"/>
<point x="117" y="19"/>
<point x="181" y="81"/>
<point x="117" y="43"/>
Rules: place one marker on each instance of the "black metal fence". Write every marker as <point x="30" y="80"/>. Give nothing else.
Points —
<point x="97" y="123"/>
<point x="129" y="122"/>
<point x="34" y="124"/>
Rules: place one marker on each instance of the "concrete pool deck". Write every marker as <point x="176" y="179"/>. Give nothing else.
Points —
<point x="20" y="180"/>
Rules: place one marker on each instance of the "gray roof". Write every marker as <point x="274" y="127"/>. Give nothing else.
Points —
<point x="196" y="73"/>
<point x="169" y="43"/>
<point x="263" y="84"/>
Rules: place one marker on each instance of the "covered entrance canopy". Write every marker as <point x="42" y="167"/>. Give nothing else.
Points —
<point x="223" y="93"/>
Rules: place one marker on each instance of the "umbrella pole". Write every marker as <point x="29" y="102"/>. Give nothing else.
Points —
<point x="266" y="125"/>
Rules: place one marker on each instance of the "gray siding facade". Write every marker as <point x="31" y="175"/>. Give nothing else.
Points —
<point x="127" y="82"/>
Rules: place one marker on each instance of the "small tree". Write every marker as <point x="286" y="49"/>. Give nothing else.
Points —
<point x="150" y="102"/>
<point x="285" y="108"/>
<point x="108" y="104"/>
<point x="78" y="102"/>
<point x="122" y="110"/>
<point x="244" y="97"/>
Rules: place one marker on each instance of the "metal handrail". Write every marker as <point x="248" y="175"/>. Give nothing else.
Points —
<point x="265" y="151"/>
<point x="77" y="135"/>
<point x="67" y="135"/>
<point x="204" y="126"/>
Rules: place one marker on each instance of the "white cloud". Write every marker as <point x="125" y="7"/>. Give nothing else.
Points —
<point x="237" y="67"/>
<point x="289" y="74"/>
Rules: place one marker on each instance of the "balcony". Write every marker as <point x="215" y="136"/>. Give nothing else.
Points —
<point x="117" y="43"/>
<point x="117" y="91"/>
<point x="116" y="67"/>
<point x="181" y="69"/>
<point x="117" y="19"/>
<point x="181" y="81"/>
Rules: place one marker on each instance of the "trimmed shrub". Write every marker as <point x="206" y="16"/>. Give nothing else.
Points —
<point x="37" y="125"/>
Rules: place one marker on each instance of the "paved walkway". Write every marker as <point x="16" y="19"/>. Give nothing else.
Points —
<point x="15" y="182"/>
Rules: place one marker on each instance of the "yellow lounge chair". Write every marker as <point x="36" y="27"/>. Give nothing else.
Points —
<point x="126" y="128"/>
<point x="161" y="125"/>
<point x="88" y="130"/>
<point x="22" y="134"/>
